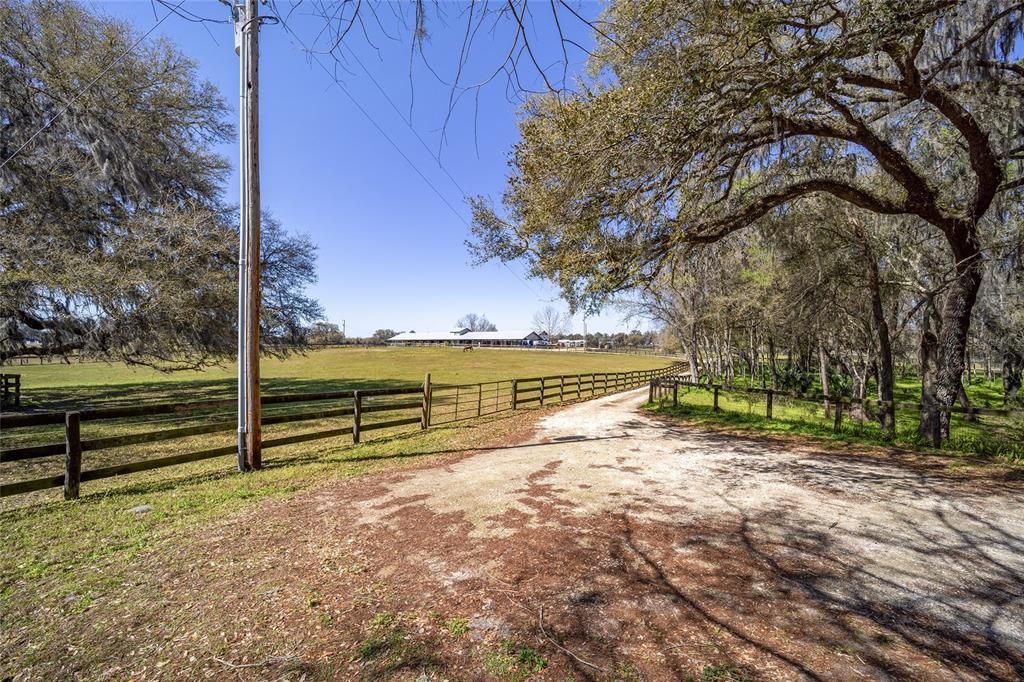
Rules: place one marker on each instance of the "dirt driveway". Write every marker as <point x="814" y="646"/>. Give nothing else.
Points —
<point x="608" y="546"/>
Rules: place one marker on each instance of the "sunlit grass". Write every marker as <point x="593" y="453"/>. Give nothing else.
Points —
<point x="989" y="436"/>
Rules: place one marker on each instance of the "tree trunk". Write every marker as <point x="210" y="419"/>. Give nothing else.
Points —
<point x="965" y="403"/>
<point x="823" y="369"/>
<point x="927" y="357"/>
<point x="772" y="364"/>
<point x="956" y="318"/>
<point x="691" y="353"/>
<point x="886" y="408"/>
<point x="1013" y="369"/>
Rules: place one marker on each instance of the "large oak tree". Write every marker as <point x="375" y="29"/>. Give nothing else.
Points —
<point x="703" y="116"/>
<point x="113" y="237"/>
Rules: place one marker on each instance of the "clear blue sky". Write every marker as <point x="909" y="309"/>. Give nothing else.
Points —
<point x="391" y="252"/>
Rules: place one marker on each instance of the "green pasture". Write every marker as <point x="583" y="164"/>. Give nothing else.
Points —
<point x="97" y="383"/>
<point x="987" y="436"/>
<point x="85" y="385"/>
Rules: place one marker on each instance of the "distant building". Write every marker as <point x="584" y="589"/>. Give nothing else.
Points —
<point x="570" y="343"/>
<point x="465" y="337"/>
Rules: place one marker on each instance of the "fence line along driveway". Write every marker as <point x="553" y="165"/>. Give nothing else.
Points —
<point x="608" y="545"/>
<point x="394" y="408"/>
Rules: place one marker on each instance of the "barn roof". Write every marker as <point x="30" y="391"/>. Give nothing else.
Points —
<point x="515" y="335"/>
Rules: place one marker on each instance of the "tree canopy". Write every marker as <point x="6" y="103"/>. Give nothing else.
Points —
<point x="703" y="117"/>
<point x="115" y="238"/>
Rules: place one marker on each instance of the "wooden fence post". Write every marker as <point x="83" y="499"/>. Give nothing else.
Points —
<point x="715" y="405"/>
<point x="650" y="394"/>
<point x="357" y="415"/>
<point x="838" y="424"/>
<point x="606" y="382"/>
<point x="542" y="391"/>
<point x="768" y="404"/>
<point x="479" y="398"/>
<point x="561" y="388"/>
<point x="675" y="394"/>
<point x="425" y="417"/>
<point x="72" y="455"/>
<point x="515" y="392"/>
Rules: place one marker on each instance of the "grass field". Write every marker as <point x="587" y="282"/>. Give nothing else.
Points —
<point x="96" y="383"/>
<point x="85" y="385"/>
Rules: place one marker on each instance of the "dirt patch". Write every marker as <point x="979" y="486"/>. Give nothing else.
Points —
<point x="609" y="546"/>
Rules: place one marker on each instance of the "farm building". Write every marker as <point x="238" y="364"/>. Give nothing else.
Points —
<point x="465" y="337"/>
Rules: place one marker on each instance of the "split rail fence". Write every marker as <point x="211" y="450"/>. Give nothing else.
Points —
<point x="665" y="387"/>
<point x="422" y="406"/>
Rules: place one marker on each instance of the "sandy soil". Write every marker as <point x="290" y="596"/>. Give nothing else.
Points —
<point x="614" y="546"/>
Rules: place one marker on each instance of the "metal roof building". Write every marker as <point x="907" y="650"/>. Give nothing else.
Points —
<point x="464" y="337"/>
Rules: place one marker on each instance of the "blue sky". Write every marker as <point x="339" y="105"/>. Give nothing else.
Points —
<point x="391" y="252"/>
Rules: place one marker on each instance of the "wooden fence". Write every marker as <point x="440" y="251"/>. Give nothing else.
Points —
<point x="423" y="406"/>
<point x="668" y="386"/>
<point x="10" y="390"/>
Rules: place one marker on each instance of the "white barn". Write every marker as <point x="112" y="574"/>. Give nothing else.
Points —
<point x="465" y="337"/>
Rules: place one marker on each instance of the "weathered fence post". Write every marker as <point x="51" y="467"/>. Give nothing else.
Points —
<point x="425" y="417"/>
<point x="714" y="406"/>
<point x="542" y="391"/>
<point x="357" y="415"/>
<point x="768" y="404"/>
<point x="561" y="388"/>
<point x="838" y="425"/>
<point x="650" y="393"/>
<point x="606" y="382"/>
<point x="72" y="455"/>
<point x="515" y="393"/>
<point x="479" y="398"/>
<point x="675" y="394"/>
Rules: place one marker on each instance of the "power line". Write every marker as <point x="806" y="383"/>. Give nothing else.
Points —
<point x="89" y="85"/>
<point x="408" y="123"/>
<point x="392" y="142"/>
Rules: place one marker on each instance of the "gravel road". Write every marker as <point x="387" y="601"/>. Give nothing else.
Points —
<point x="929" y="551"/>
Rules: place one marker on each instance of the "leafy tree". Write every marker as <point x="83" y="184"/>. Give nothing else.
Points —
<point x="382" y="335"/>
<point x="704" y="116"/>
<point x="115" y="241"/>
<point x="325" y="334"/>
<point x="476" y="323"/>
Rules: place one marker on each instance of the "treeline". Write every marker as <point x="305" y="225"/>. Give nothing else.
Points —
<point x="832" y="294"/>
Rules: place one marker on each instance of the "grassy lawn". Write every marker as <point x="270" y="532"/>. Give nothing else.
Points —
<point x="94" y="383"/>
<point x="989" y="436"/>
<point x="65" y="556"/>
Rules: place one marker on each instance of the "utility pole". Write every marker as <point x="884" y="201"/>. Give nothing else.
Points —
<point x="343" y="329"/>
<point x="247" y="25"/>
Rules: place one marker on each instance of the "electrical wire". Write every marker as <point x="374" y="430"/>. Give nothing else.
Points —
<point x="315" y="57"/>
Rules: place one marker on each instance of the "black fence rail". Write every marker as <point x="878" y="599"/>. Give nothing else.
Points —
<point x="457" y="402"/>
<point x="10" y="390"/>
<point x="328" y="415"/>
<point x="838" y="408"/>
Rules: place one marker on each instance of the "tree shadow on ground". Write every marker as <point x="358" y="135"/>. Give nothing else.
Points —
<point x="936" y="592"/>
